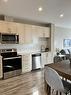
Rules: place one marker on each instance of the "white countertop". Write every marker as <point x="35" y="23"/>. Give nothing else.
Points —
<point x="23" y="53"/>
<point x="28" y="52"/>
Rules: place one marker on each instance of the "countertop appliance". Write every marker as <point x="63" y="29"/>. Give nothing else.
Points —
<point x="11" y="63"/>
<point x="36" y="61"/>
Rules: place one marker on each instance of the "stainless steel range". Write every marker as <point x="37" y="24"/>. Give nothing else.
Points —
<point x="11" y="63"/>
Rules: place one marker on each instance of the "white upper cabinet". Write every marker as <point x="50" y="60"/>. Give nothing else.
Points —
<point x="11" y="27"/>
<point x="8" y="27"/>
<point x="3" y="27"/>
<point x="34" y="32"/>
<point x="39" y="30"/>
<point x="28" y="33"/>
<point x="20" y="32"/>
<point x="46" y="32"/>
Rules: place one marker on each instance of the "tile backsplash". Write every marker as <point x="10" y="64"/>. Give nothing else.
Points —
<point x="37" y="45"/>
<point x="21" y="47"/>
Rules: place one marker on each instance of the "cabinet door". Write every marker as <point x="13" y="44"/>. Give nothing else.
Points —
<point x="20" y="31"/>
<point x="44" y="58"/>
<point x="3" y="27"/>
<point x="12" y="27"/>
<point x="34" y="32"/>
<point x="46" y="31"/>
<point x="39" y="30"/>
<point x="26" y="63"/>
<point x="47" y="58"/>
<point x="28" y="34"/>
<point x="50" y="58"/>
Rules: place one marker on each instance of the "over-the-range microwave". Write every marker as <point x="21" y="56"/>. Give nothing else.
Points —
<point x="9" y="38"/>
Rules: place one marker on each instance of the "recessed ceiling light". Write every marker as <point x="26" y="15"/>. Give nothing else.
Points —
<point x="5" y="0"/>
<point x="61" y="15"/>
<point x="40" y="9"/>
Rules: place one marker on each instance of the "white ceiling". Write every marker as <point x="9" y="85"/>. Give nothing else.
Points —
<point x="28" y="9"/>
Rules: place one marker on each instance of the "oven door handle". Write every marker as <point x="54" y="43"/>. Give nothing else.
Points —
<point x="11" y="58"/>
<point x="8" y="66"/>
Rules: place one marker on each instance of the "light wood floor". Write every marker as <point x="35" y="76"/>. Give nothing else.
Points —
<point x="26" y="84"/>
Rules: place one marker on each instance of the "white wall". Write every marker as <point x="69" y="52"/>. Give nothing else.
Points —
<point x="59" y="35"/>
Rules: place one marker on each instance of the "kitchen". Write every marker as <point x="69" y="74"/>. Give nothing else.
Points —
<point x="31" y="39"/>
<point x="30" y="33"/>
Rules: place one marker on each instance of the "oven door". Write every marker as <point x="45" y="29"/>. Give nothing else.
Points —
<point x="11" y="64"/>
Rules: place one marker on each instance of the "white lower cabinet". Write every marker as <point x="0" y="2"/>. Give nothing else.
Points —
<point x="26" y="63"/>
<point x="50" y="58"/>
<point x="46" y="58"/>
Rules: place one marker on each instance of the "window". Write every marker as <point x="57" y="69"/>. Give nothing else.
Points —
<point x="67" y="42"/>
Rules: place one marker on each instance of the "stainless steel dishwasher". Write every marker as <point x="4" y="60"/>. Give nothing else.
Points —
<point x="36" y="61"/>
